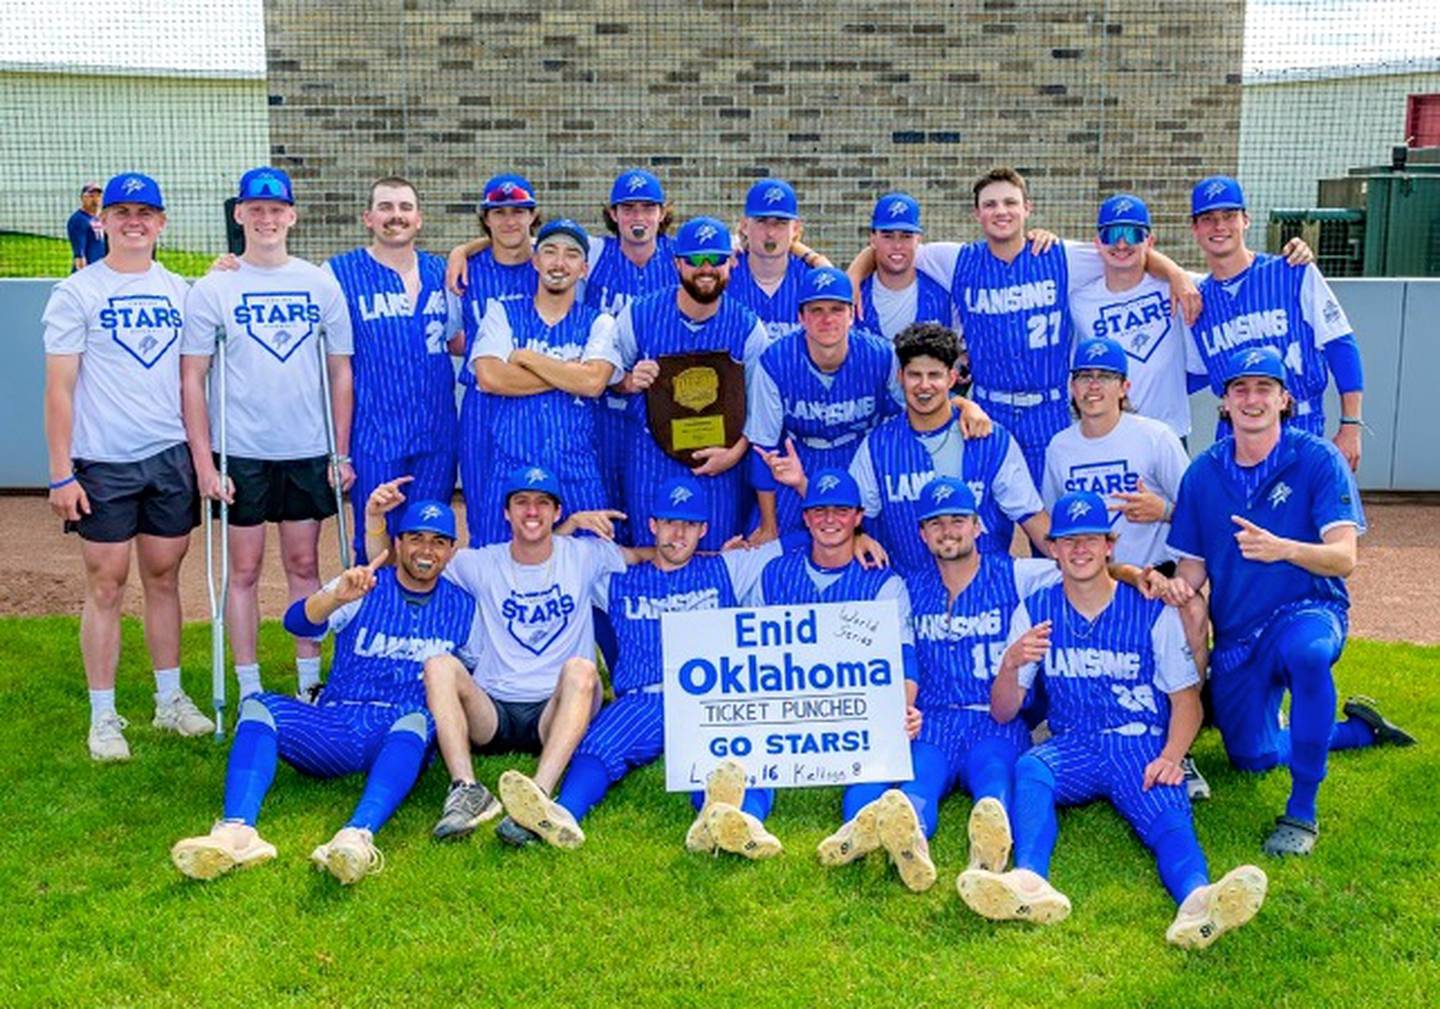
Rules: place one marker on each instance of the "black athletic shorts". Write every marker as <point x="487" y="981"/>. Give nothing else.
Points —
<point x="285" y="490"/>
<point x="518" y="727"/>
<point x="155" y="496"/>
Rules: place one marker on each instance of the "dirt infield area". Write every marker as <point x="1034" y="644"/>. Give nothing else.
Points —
<point x="1391" y="592"/>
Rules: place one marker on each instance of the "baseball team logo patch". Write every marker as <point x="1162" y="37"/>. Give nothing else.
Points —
<point x="144" y="324"/>
<point x="680" y="495"/>
<point x="280" y="322"/>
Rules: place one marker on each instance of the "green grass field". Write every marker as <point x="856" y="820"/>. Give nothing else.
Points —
<point x="96" y="916"/>
<point x="35" y="256"/>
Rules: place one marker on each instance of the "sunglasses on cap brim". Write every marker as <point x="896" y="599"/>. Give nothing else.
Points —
<point x="515" y="194"/>
<point x="1130" y="234"/>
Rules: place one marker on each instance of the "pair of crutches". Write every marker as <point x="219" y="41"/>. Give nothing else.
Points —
<point x="218" y="583"/>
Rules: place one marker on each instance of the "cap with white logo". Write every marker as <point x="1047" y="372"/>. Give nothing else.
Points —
<point x="132" y="187"/>
<point x="636" y="186"/>
<point x="1218" y="192"/>
<point x="825" y="283"/>
<point x="832" y="488"/>
<point x="1079" y="513"/>
<point x="896" y="212"/>
<point x="700" y="235"/>
<point x="1100" y="353"/>
<point x="681" y="498"/>
<point x="772" y="198"/>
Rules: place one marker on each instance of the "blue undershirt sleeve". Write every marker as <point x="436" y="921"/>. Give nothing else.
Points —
<point x="1343" y="356"/>
<point x="299" y="625"/>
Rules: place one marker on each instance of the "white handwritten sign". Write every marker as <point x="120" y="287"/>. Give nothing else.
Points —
<point x="801" y="695"/>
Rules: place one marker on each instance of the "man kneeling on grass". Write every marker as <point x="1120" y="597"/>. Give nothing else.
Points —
<point x="371" y="716"/>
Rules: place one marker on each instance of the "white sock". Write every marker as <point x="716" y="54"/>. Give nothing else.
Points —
<point x="167" y="683"/>
<point x="102" y="702"/>
<point x="249" y="677"/>
<point x="308" y="671"/>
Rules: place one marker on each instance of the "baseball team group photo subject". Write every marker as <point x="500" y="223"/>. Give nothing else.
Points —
<point x="907" y="521"/>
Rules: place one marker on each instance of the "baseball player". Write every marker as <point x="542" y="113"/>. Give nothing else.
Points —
<point x="534" y="686"/>
<point x="370" y="718"/>
<point x="272" y="307"/>
<point x="403" y="322"/>
<point x="1254" y="299"/>
<point x="1124" y="705"/>
<point x="897" y="295"/>
<point x="119" y="468"/>
<point x="630" y="731"/>
<point x="901" y="455"/>
<point x="1011" y="303"/>
<point x="767" y="274"/>
<point x="1270" y="517"/>
<point x="495" y="267"/>
<point x="696" y="316"/>
<point x="545" y="360"/>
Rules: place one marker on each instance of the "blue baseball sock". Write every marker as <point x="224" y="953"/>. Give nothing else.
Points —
<point x="585" y="784"/>
<point x="1351" y="734"/>
<point x="857" y="797"/>
<point x="251" y="768"/>
<point x="392" y="775"/>
<point x="931" y="782"/>
<point x="1034" y="823"/>
<point x="758" y="802"/>
<point x="1308" y="648"/>
<point x="1178" y="857"/>
<point x="990" y="770"/>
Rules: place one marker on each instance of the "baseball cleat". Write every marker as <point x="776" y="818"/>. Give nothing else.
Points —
<point x="855" y="839"/>
<point x="1196" y="787"/>
<point x="740" y="833"/>
<point x="725" y="784"/>
<point x="107" y="738"/>
<point x="349" y="856"/>
<point x="177" y="713"/>
<point x="467" y="805"/>
<point x="1017" y="895"/>
<point x="1213" y="910"/>
<point x="903" y="836"/>
<point x="989" y="831"/>
<point x="529" y="806"/>
<point x="1387" y="733"/>
<point x="227" y="846"/>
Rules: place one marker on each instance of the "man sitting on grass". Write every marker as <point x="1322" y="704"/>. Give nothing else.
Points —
<point x="371" y="715"/>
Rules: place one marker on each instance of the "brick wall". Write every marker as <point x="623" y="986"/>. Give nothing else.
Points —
<point x="844" y="99"/>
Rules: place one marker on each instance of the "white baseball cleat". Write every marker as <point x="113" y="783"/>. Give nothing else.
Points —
<point x="989" y="831"/>
<point x="528" y="805"/>
<point x="1213" y="910"/>
<point x="107" y="738"/>
<point x="177" y="713"/>
<point x="736" y="831"/>
<point x="1017" y="895"/>
<point x="725" y="784"/>
<point x="228" y="846"/>
<point x="349" y="856"/>
<point x="900" y="831"/>
<point x="855" y="839"/>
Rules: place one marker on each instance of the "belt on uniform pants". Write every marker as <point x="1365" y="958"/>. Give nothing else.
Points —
<point x="822" y="443"/>
<point x="1008" y="398"/>
<point x="653" y="688"/>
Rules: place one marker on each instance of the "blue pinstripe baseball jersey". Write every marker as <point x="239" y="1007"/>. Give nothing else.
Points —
<point x="894" y="464"/>
<point x="779" y="311"/>
<point x="793" y="579"/>
<point x="649" y="328"/>
<point x="404" y="379"/>
<point x="1274" y="304"/>
<point x="827" y="413"/>
<point x="383" y="639"/>
<point x="932" y="304"/>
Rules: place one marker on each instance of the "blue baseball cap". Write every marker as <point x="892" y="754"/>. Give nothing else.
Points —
<point x="1123" y="208"/>
<point x="427" y="517"/>
<point x="832" y="488"/>
<point x="946" y="495"/>
<point x="1261" y="362"/>
<point x="825" y="283"/>
<point x="507" y="190"/>
<point x="1218" y="192"/>
<point x="896" y="212"/>
<point x="536" y="478"/>
<point x="132" y="187"/>
<point x="567" y="228"/>
<point x="266" y="183"/>
<point x="1100" y="353"/>
<point x="1079" y="513"/>
<point x="772" y="198"/>
<point x="636" y="186"/>
<point x="681" y="498"/>
<point x="703" y="234"/>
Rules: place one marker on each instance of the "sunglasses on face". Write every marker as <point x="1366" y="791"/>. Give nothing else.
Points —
<point x="698" y="259"/>
<point x="1130" y="234"/>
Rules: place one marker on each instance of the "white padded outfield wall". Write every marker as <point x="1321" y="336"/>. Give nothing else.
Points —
<point x="1397" y="321"/>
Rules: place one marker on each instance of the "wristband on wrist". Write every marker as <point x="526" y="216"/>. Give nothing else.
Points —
<point x="1352" y="420"/>
<point x="57" y="484"/>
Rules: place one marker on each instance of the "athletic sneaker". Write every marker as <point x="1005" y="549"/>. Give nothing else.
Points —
<point x="349" y="856"/>
<point x="904" y="838"/>
<point x="855" y="839"/>
<point x="229" y="845"/>
<point x="1017" y="895"/>
<point x="107" y="738"/>
<point x="178" y="713"/>
<point x="724" y="784"/>
<point x="989" y="831"/>
<point x="1387" y="733"/>
<point x="740" y="833"/>
<point x="529" y="806"/>
<point x="467" y="805"/>
<point x="310" y="694"/>
<point x="1213" y="910"/>
<point x="513" y="834"/>
<point x="1196" y="787"/>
